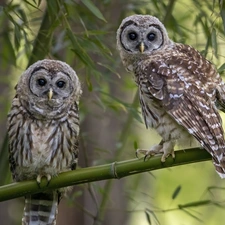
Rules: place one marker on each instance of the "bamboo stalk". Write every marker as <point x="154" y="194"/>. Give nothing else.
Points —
<point x="115" y="170"/>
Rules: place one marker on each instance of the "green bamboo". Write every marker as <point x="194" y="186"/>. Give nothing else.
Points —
<point x="115" y="170"/>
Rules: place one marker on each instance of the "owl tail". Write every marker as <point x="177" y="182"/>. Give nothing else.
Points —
<point x="41" y="209"/>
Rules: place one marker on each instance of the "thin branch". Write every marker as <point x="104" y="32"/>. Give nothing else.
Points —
<point x="115" y="170"/>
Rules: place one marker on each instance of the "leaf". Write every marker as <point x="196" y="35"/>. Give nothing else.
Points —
<point x="23" y="16"/>
<point x="221" y="68"/>
<point x="194" y="204"/>
<point x="222" y="13"/>
<point x="100" y="46"/>
<point x="93" y="9"/>
<point x="9" y="50"/>
<point x="78" y="50"/>
<point x="135" y="113"/>
<point x="89" y="84"/>
<point x="17" y="36"/>
<point x="135" y="145"/>
<point x="153" y="215"/>
<point x="148" y="217"/>
<point x="214" y="42"/>
<point x="34" y="6"/>
<point x="176" y="192"/>
<point x="109" y="68"/>
<point x="193" y="216"/>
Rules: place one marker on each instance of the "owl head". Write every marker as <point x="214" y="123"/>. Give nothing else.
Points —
<point x="139" y="36"/>
<point x="48" y="88"/>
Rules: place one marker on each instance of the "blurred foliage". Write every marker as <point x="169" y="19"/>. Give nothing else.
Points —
<point x="82" y="33"/>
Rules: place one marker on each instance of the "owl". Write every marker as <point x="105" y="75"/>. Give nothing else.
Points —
<point x="180" y="91"/>
<point x="43" y="128"/>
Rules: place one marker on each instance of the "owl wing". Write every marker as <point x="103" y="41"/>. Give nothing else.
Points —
<point x="72" y="126"/>
<point x="189" y="104"/>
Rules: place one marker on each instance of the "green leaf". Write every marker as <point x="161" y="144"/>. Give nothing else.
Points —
<point x="191" y="215"/>
<point x="194" y="204"/>
<point x="23" y="16"/>
<point x="152" y="214"/>
<point x="214" y="42"/>
<point x="34" y="6"/>
<point x="176" y="192"/>
<point x="135" y="145"/>
<point x="222" y="13"/>
<point x="93" y="9"/>
<point x="9" y="50"/>
<point x="89" y="84"/>
<point x="17" y="37"/>
<point x="221" y="68"/>
<point x="111" y="69"/>
<point x="148" y="218"/>
<point x="78" y="50"/>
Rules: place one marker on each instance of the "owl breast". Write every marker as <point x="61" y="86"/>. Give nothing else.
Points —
<point x="44" y="137"/>
<point x="44" y="146"/>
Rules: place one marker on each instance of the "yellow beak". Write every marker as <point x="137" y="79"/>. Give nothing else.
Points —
<point x="50" y="94"/>
<point x="142" y="47"/>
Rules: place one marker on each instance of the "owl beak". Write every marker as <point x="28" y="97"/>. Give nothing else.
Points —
<point x="50" y="94"/>
<point x="142" y="47"/>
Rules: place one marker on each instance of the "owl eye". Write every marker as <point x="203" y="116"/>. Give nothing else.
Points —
<point x="60" y="84"/>
<point x="151" y="36"/>
<point x="42" y="82"/>
<point x="132" y="36"/>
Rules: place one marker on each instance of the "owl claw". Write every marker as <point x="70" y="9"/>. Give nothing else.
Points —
<point x="149" y="152"/>
<point x="166" y="155"/>
<point x="155" y="150"/>
<point x="39" y="177"/>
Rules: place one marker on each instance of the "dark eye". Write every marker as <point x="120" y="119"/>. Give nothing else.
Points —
<point x="60" y="84"/>
<point x="132" y="36"/>
<point x="151" y="36"/>
<point x="42" y="82"/>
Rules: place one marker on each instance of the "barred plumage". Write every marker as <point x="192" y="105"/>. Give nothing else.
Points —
<point x="179" y="89"/>
<point x="43" y="128"/>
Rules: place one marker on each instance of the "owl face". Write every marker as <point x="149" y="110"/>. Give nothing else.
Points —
<point x="140" y="39"/>
<point x="48" y="88"/>
<point x="140" y="36"/>
<point x="50" y="85"/>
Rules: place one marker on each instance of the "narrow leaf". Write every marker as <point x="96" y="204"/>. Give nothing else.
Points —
<point x="194" y="204"/>
<point x="214" y="42"/>
<point x="17" y="36"/>
<point x="221" y="68"/>
<point x="176" y="192"/>
<point x="109" y="68"/>
<point x="93" y="9"/>
<point x="193" y="216"/>
<point x="148" y="218"/>
<point x="222" y="13"/>
<point x="153" y="215"/>
<point x="135" y="145"/>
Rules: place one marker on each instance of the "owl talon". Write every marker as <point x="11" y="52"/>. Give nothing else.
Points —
<point x="156" y="150"/>
<point x="166" y="155"/>
<point x="149" y="153"/>
<point x="143" y="152"/>
<point x="39" y="177"/>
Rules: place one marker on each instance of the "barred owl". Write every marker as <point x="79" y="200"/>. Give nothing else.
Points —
<point x="179" y="90"/>
<point x="43" y="127"/>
